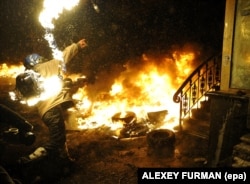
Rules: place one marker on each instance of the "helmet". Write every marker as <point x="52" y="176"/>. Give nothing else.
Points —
<point x="31" y="60"/>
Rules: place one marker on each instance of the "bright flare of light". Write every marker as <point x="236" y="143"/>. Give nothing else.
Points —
<point x="116" y="88"/>
<point x="52" y="86"/>
<point x="51" y="11"/>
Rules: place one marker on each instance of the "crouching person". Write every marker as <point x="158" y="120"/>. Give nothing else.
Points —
<point x="51" y="110"/>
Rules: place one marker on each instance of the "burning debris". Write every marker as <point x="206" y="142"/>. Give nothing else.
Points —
<point x="131" y="128"/>
<point x="134" y="128"/>
<point x="143" y="90"/>
<point x="157" y="118"/>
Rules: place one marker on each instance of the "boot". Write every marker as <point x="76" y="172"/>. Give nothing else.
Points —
<point x="64" y="154"/>
<point x="65" y="161"/>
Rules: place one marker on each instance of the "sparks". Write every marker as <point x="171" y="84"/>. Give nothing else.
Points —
<point x="96" y="8"/>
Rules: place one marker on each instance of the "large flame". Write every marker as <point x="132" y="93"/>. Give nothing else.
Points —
<point x="142" y="88"/>
<point x="51" y="11"/>
<point x="145" y="86"/>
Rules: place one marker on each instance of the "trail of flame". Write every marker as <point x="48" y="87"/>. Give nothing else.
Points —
<point x="51" y="11"/>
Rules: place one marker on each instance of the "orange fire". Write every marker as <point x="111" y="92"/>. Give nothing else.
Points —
<point x="10" y="71"/>
<point x="147" y="85"/>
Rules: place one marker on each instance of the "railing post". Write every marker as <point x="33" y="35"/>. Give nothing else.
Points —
<point x="180" y="111"/>
<point x="203" y="79"/>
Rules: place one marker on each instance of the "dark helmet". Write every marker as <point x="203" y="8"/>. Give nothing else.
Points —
<point x="31" y="60"/>
<point x="28" y="84"/>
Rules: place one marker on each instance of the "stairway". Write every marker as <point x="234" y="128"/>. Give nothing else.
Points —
<point x="198" y="123"/>
<point x="241" y="152"/>
<point x="195" y="119"/>
<point x="219" y="122"/>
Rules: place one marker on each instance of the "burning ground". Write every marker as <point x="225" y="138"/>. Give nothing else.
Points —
<point x="107" y="148"/>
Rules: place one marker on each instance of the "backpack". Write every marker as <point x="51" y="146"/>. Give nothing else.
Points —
<point x="29" y="84"/>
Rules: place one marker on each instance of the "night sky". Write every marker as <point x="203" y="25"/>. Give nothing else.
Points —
<point x="121" y="30"/>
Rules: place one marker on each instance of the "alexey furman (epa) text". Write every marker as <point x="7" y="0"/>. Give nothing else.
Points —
<point x="181" y="175"/>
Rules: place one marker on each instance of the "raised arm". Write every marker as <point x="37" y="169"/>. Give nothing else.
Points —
<point x="70" y="51"/>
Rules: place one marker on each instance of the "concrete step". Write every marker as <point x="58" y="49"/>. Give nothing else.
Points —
<point x="196" y="127"/>
<point x="200" y="114"/>
<point x="239" y="163"/>
<point x="205" y="105"/>
<point x="199" y="122"/>
<point x="245" y="138"/>
<point x="242" y="150"/>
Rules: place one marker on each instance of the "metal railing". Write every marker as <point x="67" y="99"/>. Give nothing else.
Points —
<point x="206" y="77"/>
